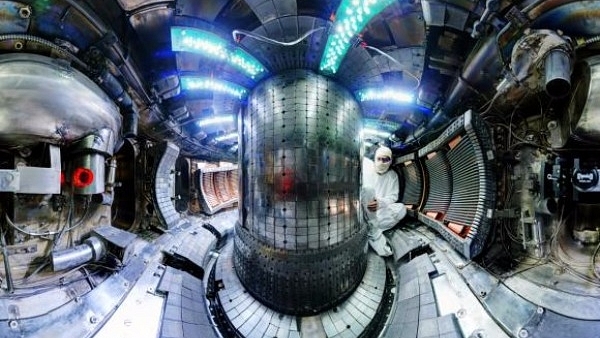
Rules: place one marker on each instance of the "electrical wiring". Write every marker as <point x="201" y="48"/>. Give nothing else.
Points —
<point x="51" y="281"/>
<point x="560" y="259"/>
<point x="574" y="272"/>
<point x="596" y="274"/>
<point x="403" y="68"/>
<point x="237" y="32"/>
<point x="48" y="233"/>
<point x="489" y="104"/>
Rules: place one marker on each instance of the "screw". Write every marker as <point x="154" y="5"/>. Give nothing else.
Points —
<point x="93" y="319"/>
<point x="523" y="333"/>
<point x="25" y="12"/>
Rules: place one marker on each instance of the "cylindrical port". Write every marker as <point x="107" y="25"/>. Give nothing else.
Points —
<point x="92" y="249"/>
<point x="557" y="66"/>
<point x="88" y="174"/>
<point x="112" y="174"/>
<point x="546" y="206"/>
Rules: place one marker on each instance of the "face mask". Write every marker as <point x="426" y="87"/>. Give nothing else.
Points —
<point x="382" y="167"/>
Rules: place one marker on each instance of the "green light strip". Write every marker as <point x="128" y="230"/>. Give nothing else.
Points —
<point x="193" y="40"/>
<point x="384" y="94"/>
<point x="214" y="85"/>
<point x="351" y="17"/>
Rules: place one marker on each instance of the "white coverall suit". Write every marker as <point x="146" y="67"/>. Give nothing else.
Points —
<point x="380" y="184"/>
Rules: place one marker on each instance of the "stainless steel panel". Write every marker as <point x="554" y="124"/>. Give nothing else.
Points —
<point x="45" y="100"/>
<point x="583" y="118"/>
<point x="39" y="180"/>
<point x="34" y="180"/>
<point x="94" y="162"/>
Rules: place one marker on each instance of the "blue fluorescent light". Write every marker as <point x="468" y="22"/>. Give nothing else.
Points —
<point x="198" y="41"/>
<point x="246" y="62"/>
<point x="375" y="132"/>
<point x="193" y="40"/>
<point x="211" y="84"/>
<point x="384" y="94"/>
<point x="215" y="120"/>
<point x="351" y="17"/>
<point x="226" y="137"/>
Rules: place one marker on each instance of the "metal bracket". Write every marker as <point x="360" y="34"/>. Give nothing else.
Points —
<point x="33" y="180"/>
<point x="507" y="213"/>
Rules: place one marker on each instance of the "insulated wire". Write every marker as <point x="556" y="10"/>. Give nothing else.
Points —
<point x="263" y="38"/>
<point x="46" y="43"/>
<point x="397" y="63"/>
<point x="69" y="223"/>
<point x="596" y="274"/>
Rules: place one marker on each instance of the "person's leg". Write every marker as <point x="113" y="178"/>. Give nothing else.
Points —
<point x="388" y="217"/>
<point x="377" y="240"/>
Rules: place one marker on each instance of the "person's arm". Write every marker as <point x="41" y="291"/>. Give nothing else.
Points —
<point x="389" y="190"/>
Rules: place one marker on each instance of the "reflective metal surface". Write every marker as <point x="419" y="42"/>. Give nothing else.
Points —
<point x="531" y="183"/>
<point x="47" y="100"/>
<point x="557" y="66"/>
<point x="584" y="115"/>
<point x="300" y="175"/>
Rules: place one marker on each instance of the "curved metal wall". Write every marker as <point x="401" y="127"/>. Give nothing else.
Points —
<point x="460" y="184"/>
<point x="299" y="246"/>
<point x="44" y="100"/>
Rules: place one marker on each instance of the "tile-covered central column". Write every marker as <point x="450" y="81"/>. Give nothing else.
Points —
<point x="299" y="245"/>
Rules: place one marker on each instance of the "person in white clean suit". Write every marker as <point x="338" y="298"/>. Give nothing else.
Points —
<point x="379" y="199"/>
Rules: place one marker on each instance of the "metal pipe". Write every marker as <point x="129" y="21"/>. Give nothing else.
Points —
<point x="546" y="206"/>
<point x="115" y="90"/>
<point x="538" y="238"/>
<point x="130" y="123"/>
<point x="484" y="58"/>
<point x="92" y="249"/>
<point x="557" y="68"/>
<point x="8" y="275"/>
<point x="46" y="43"/>
<point x="108" y="196"/>
<point x="118" y="56"/>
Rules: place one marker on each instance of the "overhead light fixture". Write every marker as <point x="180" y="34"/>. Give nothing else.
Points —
<point x="227" y="137"/>
<point x="215" y="120"/>
<point x="189" y="82"/>
<point x="375" y="132"/>
<point x="384" y="94"/>
<point x="193" y="40"/>
<point x="351" y="17"/>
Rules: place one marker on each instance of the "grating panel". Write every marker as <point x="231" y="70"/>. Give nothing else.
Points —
<point x="413" y="178"/>
<point x="218" y="188"/>
<point x="440" y="184"/>
<point x="461" y="189"/>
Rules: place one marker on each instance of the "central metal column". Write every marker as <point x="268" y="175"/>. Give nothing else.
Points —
<point x="299" y="246"/>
